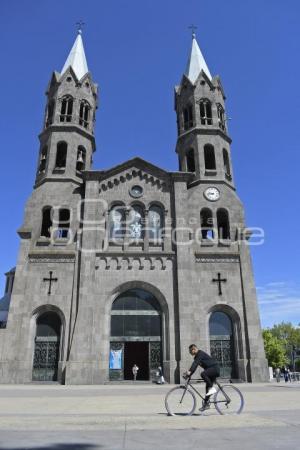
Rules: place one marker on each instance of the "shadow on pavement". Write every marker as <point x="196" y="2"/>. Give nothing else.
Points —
<point x="71" y="446"/>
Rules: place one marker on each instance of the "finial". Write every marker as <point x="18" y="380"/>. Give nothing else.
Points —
<point x="193" y="28"/>
<point x="79" y="26"/>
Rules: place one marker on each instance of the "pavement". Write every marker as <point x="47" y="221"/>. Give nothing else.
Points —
<point x="133" y="417"/>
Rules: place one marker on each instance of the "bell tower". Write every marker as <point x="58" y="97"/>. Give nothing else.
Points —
<point x="203" y="144"/>
<point x="67" y="140"/>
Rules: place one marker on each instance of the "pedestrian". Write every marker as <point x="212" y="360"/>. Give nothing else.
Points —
<point x="160" y="375"/>
<point x="135" y="370"/>
<point x="277" y="374"/>
<point x="289" y="375"/>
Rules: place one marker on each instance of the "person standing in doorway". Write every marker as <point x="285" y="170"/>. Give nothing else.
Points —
<point x="161" y="379"/>
<point x="135" y="370"/>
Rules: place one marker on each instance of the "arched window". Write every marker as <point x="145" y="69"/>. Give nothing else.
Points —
<point x="63" y="223"/>
<point x="207" y="224"/>
<point x="61" y="155"/>
<point x="46" y="222"/>
<point x="117" y="222"/>
<point x="223" y="224"/>
<point x="156" y="219"/>
<point x="190" y="160"/>
<point x="50" y="113"/>
<point x="81" y="158"/>
<point x="226" y="164"/>
<point x="136" y="222"/>
<point x="222" y="343"/>
<point x="221" y="117"/>
<point x="66" y="109"/>
<point x="84" y="113"/>
<point x="188" y="121"/>
<point x="47" y="344"/>
<point x="43" y="159"/>
<point x="205" y="112"/>
<point x="209" y="157"/>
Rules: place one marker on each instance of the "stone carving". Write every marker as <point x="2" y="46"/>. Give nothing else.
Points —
<point x="229" y="259"/>
<point x="134" y="263"/>
<point x="133" y="173"/>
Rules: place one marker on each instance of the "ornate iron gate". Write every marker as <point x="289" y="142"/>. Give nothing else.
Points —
<point x="222" y="350"/>
<point x="154" y="359"/>
<point x="46" y="357"/>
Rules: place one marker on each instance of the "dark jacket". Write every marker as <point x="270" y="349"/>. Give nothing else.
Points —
<point x="204" y="360"/>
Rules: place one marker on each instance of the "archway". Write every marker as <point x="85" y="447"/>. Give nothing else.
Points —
<point x="222" y="343"/>
<point x="135" y="335"/>
<point x="47" y="347"/>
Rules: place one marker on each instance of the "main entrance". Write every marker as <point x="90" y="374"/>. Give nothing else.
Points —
<point x="136" y="336"/>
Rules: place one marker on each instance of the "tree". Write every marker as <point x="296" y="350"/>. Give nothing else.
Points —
<point x="289" y="336"/>
<point x="275" y="350"/>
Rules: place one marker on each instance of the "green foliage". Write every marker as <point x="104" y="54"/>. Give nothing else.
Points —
<point x="279" y="342"/>
<point x="275" y="350"/>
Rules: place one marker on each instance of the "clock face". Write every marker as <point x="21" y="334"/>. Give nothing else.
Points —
<point x="212" y="194"/>
<point x="136" y="191"/>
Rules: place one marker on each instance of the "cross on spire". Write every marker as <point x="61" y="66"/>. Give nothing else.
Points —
<point x="50" y="279"/>
<point x="193" y="28"/>
<point x="80" y="24"/>
<point x="219" y="280"/>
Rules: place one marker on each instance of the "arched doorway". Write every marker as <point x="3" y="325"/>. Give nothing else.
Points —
<point x="222" y="343"/>
<point x="47" y="346"/>
<point x="136" y="335"/>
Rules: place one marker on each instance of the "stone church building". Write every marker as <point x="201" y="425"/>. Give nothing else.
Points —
<point x="132" y="264"/>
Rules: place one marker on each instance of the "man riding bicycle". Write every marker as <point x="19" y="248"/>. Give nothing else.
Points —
<point x="210" y="373"/>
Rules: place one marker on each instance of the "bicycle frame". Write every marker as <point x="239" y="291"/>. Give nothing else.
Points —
<point x="188" y="384"/>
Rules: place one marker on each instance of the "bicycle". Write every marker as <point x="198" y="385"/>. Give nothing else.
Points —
<point x="181" y="400"/>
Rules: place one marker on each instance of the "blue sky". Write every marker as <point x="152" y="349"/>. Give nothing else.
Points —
<point x="137" y="52"/>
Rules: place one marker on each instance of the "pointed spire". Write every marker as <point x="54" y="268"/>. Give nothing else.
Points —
<point x="77" y="58"/>
<point x="196" y="62"/>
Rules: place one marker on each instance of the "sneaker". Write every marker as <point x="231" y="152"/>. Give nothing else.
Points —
<point x="204" y="407"/>
<point x="211" y="391"/>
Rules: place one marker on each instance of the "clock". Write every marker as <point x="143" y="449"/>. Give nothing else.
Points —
<point x="212" y="194"/>
<point x="136" y="191"/>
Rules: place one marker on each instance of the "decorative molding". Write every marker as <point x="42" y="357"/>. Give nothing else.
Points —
<point x="129" y="175"/>
<point x="49" y="258"/>
<point x="127" y="262"/>
<point x="216" y="259"/>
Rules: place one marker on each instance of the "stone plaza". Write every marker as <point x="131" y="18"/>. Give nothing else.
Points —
<point x="133" y="417"/>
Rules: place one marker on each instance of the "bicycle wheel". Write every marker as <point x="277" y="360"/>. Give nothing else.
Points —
<point x="180" y="402"/>
<point x="229" y="400"/>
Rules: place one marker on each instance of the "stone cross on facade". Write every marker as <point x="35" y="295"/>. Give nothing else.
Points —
<point x="50" y="279"/>
<point x="219" y="280"/>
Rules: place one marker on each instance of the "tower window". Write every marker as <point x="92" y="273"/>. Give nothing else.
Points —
<point x="81" y="157"/>
<point x="209" y="157"/>
<point x="61" y="155"/>
<point x="63" y="223"/>
<point x="205" y="112"/>
<point x="46" y="222"/>
<point x="226" y="164"/>
<point x="50" y="113"/>
<point x="221" y="117"/>
<point x="207" y="224"/>
<point x="190" y="161"/>
<point x="188" y="121"/>
<point x="84" y="113"/>
<point x="223" y="224"/>
<point x="43" y="160"/>
<point x="66" y="109"/>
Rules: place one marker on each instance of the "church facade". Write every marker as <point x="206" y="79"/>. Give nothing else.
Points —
<point x="133" y="264"/>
